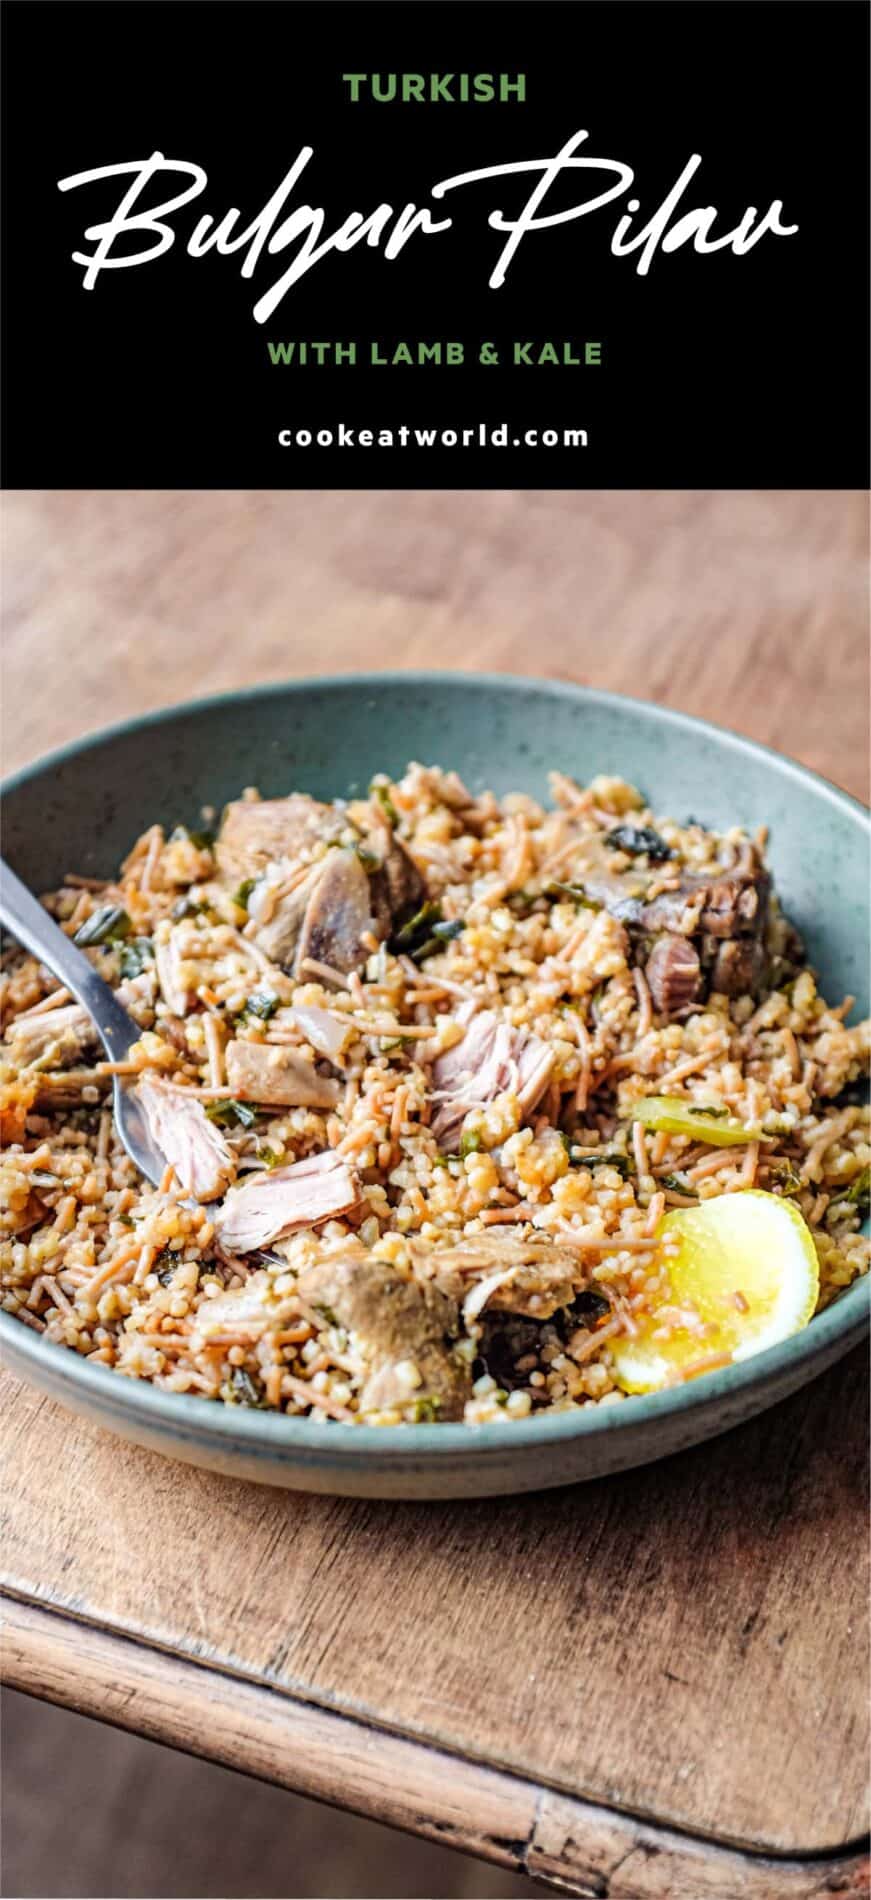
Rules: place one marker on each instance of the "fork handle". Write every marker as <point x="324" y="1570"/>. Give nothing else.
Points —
<point x="25" y="917"/>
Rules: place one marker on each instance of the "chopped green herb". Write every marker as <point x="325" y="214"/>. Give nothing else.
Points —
<point x="127" y="1220"/>
<point x="268" y="1157"/>
<point x="165" y="1266"/>
<point x="441" y="1161"/>
<point x="243" y="1389"/>
<point x="428" y="948"/>
<point x="622" y="1164"/>
<point x="857" y="1195"/>
<point x="426" y="932"/>
<point x="326" y="1312"/>
<point x="136" y="955"/>
<point x="640" y="841"/>
<point x="421" y="923"/>
<point x="369" y="859"/>
<point x="425" y="1411"/>
<point x="202" y="840"/>
<point x="109" y="924"/>
<point x="228" y="1111"/>
<point x="783" y="1172"/>
<point x="385" y="801"/>
<point x="241" y="896"/>
<point x="440" y="934"/>
<point x="860" y="1192"/>
<point x="678" y="1184"/>
<point x="575" y="891"/>
<point x="470" y="1142"/>
<point x="263" y="1003"/>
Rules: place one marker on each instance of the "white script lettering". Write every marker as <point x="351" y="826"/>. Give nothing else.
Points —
<point x="302" y="229"/>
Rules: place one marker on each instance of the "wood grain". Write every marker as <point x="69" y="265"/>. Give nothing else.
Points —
<point x="587" y="1851"/>
<point x="748" y="608"/>
<point x="591" y="1639"/>
<point x="687" y="1643"/>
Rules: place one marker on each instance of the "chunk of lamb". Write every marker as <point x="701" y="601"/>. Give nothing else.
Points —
<point x="60" y="1034"/>
<point x="277" y="915"/>
<point x="503" y="1271"/>
<point x="740" y="966"/>
<point x="719" y="904"/>
<point x="491" y="1058"/>
<point x="401" y="1328"/>
<point x="723" y="903"/>
<point x="204" y="1163"/>
<point x="268" y="1206"/>
<point x="337" y="917"/>
<point x="674" y="974"/>
<point x="396" y="886"/>
<point x="260" y="831"/>
<point x="326" y="909"/>
<point x="277" y="1076"/>
<point x="730" y="914"/>
<point x="322" y="919"/>
<point x="725" y="912"/>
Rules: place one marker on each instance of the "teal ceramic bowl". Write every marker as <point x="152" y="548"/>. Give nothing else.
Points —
<point x="83" y="807"/>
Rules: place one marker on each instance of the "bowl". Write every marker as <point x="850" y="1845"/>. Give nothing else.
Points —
<point x="81" y="809"/>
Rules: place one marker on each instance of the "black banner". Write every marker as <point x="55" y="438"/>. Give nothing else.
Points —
<point x="659" y="280"/>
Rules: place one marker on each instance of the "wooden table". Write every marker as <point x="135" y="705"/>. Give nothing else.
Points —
<point x="651" y="1686"/>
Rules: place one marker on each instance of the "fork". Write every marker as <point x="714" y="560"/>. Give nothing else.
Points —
<point x="32" y="926"/>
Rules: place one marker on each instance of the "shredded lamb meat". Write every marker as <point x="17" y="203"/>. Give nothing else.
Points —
<point x="193" y="1146"/>
<point x="269" y="1205"/>
<point x="491" y="1057"/>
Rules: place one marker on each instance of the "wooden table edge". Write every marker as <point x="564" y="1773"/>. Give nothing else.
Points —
<point x="576" y="1845"/>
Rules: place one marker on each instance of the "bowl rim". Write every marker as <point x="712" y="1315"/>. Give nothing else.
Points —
<point x="191" y="1418"/>
<point x="271" y="1433"/>
<point x="433" y="678"/>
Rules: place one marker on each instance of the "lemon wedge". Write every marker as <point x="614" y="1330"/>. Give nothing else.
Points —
<point x="746" y="1264"/>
